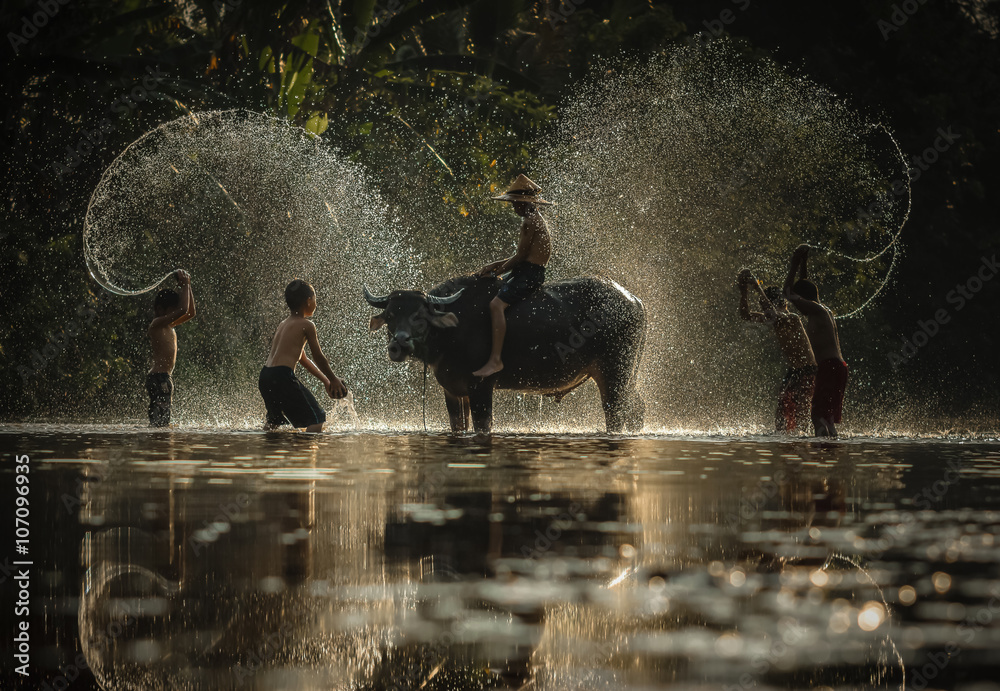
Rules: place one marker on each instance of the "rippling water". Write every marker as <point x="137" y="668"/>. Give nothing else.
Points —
<point x="187" y="560"/>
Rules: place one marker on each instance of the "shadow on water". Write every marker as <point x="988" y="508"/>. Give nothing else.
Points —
<point x="274" y="561"/>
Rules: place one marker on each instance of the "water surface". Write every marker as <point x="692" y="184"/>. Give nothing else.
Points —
<point x="236" y="560"/>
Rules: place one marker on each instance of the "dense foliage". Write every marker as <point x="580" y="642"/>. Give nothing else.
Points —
<point x="378" y="80"/>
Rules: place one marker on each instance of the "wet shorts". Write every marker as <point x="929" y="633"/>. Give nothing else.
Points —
<point x="831" y="382"/>
<point x="287" y="400"/>
<point x="796" y="394"/>
<point x="523" y="280"/>
<point x="160" y="388"/>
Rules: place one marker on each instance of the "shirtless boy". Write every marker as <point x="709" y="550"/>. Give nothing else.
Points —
<point x="797" y="387"/>
<point x="170" y="309"/>
<point x="526" y="267"/>
<point x="821" y="327"/>
<point x="285" y="398"/>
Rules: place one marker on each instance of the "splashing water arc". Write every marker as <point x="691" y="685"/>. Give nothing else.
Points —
<point x="230" y="188"/>
<point x="246" y="203"/>
<point x="672" y="174"/>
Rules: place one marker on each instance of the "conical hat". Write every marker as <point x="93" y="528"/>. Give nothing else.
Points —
<point x="523" y="190"/>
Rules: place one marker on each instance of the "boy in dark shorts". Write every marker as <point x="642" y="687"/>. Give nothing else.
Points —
<point x="797" y="387"/>
<point x="831" y="379"/>
<point x="171" y="309"/>
<point x="526" y="267"/>
<point x="285" y="398"/>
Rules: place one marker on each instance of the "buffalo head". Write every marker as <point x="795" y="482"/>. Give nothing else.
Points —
<point x="409" y="314"/>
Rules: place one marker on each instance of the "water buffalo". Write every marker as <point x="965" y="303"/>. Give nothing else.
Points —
<point x="567" y="332"/>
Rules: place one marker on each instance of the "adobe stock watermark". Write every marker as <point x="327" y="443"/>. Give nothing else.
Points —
<point x="937" y="662"/>
<point x="71" y="672"/>
<point x="32" y="23"/>
<point x="752" y="502"/>
<point x="959" y="296"/>
<point x="924" y="500"/>
<point x="580" y="334"/>
<point x="217" y="525"/>
<point x="726" y="17"/>
<point x="751" y="166"/>
<point x="124" y="104"/>
<point x="419" y="325"/>
<point x="99" y="473"/>
<point x="544" y="541"/>
<point x="920" y="164"/>
<point x="266" y="650"/>
<point x="563" y="12"/>
<point x="901" y="14"/>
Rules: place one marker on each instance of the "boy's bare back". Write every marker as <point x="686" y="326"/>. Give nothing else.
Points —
<point x="822" y="329"/>
<point x="821" y="326"/>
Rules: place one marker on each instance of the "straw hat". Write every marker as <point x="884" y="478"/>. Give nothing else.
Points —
<point x="523" y="190"/>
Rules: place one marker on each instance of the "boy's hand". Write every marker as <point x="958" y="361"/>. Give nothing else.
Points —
<point x="744" y="278"/>
<point x="801" y="251"/>
<point x="183" y="277"/>
<point x="335" y="388"/>
<point x="490" y="269"/>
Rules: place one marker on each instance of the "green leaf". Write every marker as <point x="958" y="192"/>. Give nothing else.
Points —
<point x="308" y="41"/>
<point x="295" y="93"/>
<point x="265" y="58"/>
<point x="317" y="123"/>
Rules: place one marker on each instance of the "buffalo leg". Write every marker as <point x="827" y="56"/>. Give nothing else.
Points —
<point x="623" y="408"/>
<point x="481" y="405"/>
<point x="612" y="419"/>
<point x="456" y="412"/>
<point x="466" y="413"/>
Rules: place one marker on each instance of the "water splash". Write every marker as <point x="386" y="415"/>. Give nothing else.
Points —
<point x="673" y="173"/>
<point x="246" y="203"/>
<point x="670" y="174"/>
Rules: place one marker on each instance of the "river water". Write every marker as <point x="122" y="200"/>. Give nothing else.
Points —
<point x="240" y="560"/>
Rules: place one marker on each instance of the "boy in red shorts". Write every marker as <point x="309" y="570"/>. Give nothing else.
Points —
<point x="831" y="379"/>
<point x="797" y="387"/>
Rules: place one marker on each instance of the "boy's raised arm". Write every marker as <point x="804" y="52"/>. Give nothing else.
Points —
<point x="745" y="278"/>
<point x="798" y="257"/>
<point x="190" y="311"/>
<point x="334" y="386"/>
<point x="806" y="307"/>
<point x="173" y="316"/>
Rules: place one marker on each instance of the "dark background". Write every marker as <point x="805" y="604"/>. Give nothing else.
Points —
<point x="917" y="67"/>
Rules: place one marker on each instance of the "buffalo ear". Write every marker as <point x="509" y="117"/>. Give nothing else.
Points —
<point x="444" y="320"/>
<point x="376" y="322"/>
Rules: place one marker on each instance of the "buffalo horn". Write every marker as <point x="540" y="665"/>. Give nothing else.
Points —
<point x="435" y="300"/>
<point x="379" y="302"/>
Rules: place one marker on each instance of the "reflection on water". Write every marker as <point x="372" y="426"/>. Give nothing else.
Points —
<point x="284" y="561"/>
